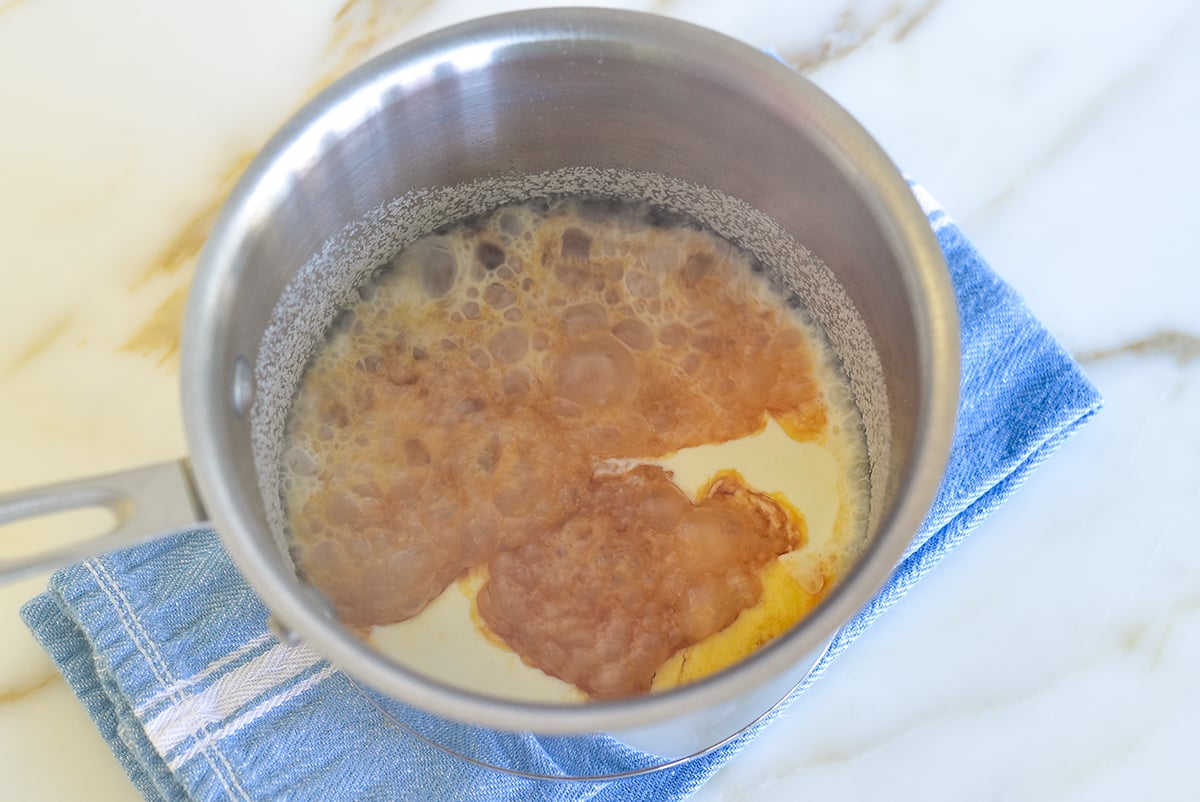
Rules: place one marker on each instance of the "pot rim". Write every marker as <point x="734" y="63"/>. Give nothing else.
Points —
<point x="206" y="411"/>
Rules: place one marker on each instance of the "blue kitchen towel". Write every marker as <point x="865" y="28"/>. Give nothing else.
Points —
<point x="169" y="650"/>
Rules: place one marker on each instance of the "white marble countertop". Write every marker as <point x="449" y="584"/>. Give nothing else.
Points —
<point x="1053" y="656"/>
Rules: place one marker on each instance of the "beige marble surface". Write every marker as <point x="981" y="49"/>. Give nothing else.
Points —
<point x="1052" y="657"/>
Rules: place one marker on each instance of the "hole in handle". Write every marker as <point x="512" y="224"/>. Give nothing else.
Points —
<point x="48" y="532"/>
<point x="54" y="525"/>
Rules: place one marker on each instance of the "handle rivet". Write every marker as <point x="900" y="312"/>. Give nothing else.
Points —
<point x="282" y="632"/>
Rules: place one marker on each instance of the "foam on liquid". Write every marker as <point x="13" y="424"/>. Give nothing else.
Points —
<point x="464" y="420"/>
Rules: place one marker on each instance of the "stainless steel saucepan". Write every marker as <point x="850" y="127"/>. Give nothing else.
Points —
<point x="521" y="104"/>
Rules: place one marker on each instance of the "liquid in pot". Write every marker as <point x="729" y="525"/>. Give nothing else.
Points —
<point x="505" y="401"/>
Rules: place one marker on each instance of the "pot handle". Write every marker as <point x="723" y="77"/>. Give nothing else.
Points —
<point x="146" y="502"/>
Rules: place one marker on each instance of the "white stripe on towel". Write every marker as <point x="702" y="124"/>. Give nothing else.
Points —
<point x="162" y="693"/>
<point x="249" y="717"/>
<point x="229" y="693"/>
<point x="928" y="204"/>
<point x="931" y="207"/>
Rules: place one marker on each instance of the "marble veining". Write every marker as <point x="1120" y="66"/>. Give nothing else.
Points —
<point x="1052" y="657"/>
<point x="40" y="342"/>
<point x="16" y="694"/>
<point x="853" y="29"/>
<point x="1183" y="346"/>
<point x="357" y="29"/>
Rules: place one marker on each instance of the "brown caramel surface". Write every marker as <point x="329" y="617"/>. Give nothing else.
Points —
<point x="477" y="405"/>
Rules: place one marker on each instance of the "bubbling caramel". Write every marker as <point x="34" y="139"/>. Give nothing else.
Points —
<point x="469" y="410"/>
<point x="637" y="573"/>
